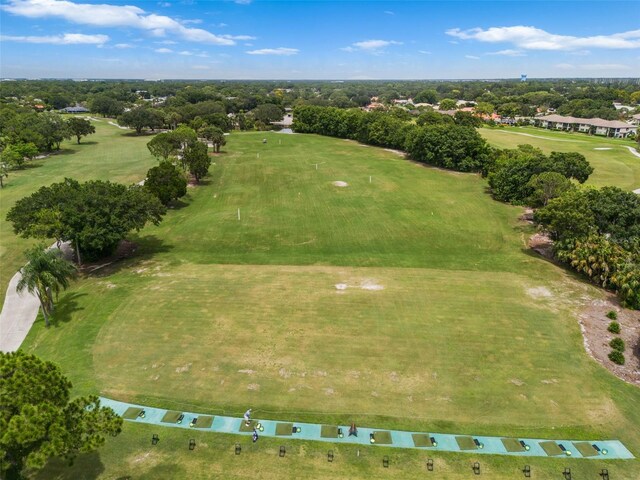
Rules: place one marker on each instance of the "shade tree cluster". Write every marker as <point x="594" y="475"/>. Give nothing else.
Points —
<point x="449" y="145"/>
<point x="93" y="216"/>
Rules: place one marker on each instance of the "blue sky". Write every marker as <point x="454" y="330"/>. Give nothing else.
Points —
<point x="257" y="39"/>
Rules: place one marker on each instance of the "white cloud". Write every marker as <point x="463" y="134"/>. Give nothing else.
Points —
<point x="163" y="50"/>
<point x="239" y="37"/>
<point x="242" y="2"/>
<point x="565" y="66"/>
<point x="105" y="15"/>
<point x="166" y="42"/>
<point x="472" y="57"/>
<point x="197" y="21"/>
<point x="532" y="38"/>
<point x="185" y="52"/>
<point x="274" y="51"/>
<point x="389" y="12"/>
<point x="371" y="46"/>
<point x="164" y="4"/>
<point x="201" y="67"/>
<point x="123" y="45"/>
<point x="64" y="39"/>
<point x="424" y="52"/>
<point x="508" y="53"/>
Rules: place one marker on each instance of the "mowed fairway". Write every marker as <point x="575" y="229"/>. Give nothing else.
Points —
<point x="408" y="302"/>
<point x="109" y="154"/>
<point x="612" y="162"/>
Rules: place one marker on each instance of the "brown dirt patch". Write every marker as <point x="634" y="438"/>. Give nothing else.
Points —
<point x="594" y="323"/>
<point x="542" y="244"/>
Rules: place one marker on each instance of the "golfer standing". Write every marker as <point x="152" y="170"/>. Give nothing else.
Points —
<point x="247" y="417"/>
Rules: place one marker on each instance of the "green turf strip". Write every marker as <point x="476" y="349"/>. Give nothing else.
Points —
<point x="512" y="445"/>
<point x="250" y="427"/>
<point x="329" y="431"/>
<point x="132" y="413"/>
<point x="585" y="449"/>
<point x="284" y="428"/>
<point x="551" y="448"/>
<point x="171" y="416"/>
<point x="466" y="443"/>
<point x="204" y="421"/>
<point x="421" y="440"/>
<point x="382" y="437"/>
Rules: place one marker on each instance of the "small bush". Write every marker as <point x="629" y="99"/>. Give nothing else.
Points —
<point x="612" y="314"/>
<point x="617" y="344"/>
<point x="617" y="356"/>
<point x="614" y="327"/>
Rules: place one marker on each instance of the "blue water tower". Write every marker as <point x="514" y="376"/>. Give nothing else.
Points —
<point x="523" y="77"/>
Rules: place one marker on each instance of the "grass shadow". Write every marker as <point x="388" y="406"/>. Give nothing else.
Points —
<point x="85" y="467"/>
<point x="91" y="142"/>
<point x="178" y="204"/>
<point x="66" y="307"/>
<point x="145" y="248"/>
<point x="141" y="134"/>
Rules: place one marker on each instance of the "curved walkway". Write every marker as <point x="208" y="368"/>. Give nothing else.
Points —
<point x="20" y="310"/>
<point x="526" y="447"/>
<point x="633" y="151"/>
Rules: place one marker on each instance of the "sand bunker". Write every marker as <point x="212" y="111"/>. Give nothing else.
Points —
<point x="602" y="148"/>
<point x="339" y="183"/>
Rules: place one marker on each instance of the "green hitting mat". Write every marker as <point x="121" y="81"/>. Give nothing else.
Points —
<point x="421" y="440"/>
<point x="382" y="437"/>
<point x="551" y="448"/>
<point x="284" y="428"/>
<point x="248" y="428"/>
<point x="585" y="449"/>
<point x="466" y="443"/>
<point x="171" y="417"/>
<point x="132" y="413"/>
<point x="329" y="431"/>
<point x="204" y="421"/>
<point x="512" y="445"/>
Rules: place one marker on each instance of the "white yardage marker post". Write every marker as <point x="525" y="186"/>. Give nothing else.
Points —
<point x="238" y="214"/>
<point x="257" y="155"/>
<point x="369" y="178"/>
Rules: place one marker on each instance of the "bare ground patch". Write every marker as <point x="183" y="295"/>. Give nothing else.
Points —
<point x="594" y="323"/>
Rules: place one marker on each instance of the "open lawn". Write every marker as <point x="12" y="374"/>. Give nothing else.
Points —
<point x="109" y="154"/>
<point x="409" y="302"/>
<point x="614" y="166"/>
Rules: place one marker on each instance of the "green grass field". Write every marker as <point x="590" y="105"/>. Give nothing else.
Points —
<point x="443" y="320"/>
<point x="109" y="154"/>
<point x="615" y="166"/>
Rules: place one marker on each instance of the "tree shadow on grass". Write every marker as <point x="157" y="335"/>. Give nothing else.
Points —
<point x="178" y="204"/>
<point x="83" y="142"/>
<point x="141" y="134"/>
<point x="145" y="248"/>
<point x="85" y="467"/>
<point x="66" y="307"/>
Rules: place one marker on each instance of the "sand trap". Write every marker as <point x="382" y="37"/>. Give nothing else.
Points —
<point x="603" y="148"/>
<point x="341" y="286"/>
<point x="637" y="190"/>
<point x="116" y="125"/>
<point x="339" y="183"/>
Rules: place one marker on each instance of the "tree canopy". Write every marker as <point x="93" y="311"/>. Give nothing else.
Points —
<point x="166" y="182"/>
<point x="80" y="127"/>
<point x="94" y="215"/>
<point x="38" y="419"/>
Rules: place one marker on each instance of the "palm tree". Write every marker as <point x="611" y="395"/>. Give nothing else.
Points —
<point x="45" y="275"/>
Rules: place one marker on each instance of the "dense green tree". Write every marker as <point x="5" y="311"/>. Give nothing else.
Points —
<point x="570" y="164"/>
<point x="196" y="157"/>
<point x="106" y="106"/>
<point x="141" y="118"/>
<point x="80" y="127"/>
<point x="433" y="118"/>
<point x="215" y="136"/>
<point x="94" y="216"/>
<point x="38" y="419"/>
<point x="566" y="217"/>
<point x="166" y="182"/>
<point x="616" y="212"/>
<point x="267" y="113"/>
<point x="164" y="145"/>
<point x="45" y="274"/>
<point x="546" y="186"/>
<point x="448" y="104"/>
<point x="11" y="157"/>
<point x="53" y="129"/>
<point x="454" y="147"/>
<point x="467" y="119"/>
<point x="426" y="96"/>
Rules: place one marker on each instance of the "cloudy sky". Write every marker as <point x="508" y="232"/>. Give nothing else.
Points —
<point x="245" y="39"/>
